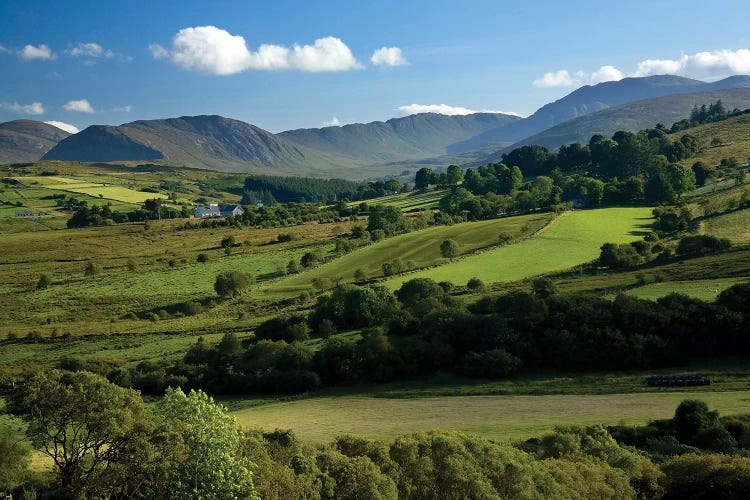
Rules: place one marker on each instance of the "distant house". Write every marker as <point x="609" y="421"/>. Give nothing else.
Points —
<point x="232" y="211"/>
<point x="259" y="204"/>
<point x="24" y="213"/>
<point x="204" y="211"/>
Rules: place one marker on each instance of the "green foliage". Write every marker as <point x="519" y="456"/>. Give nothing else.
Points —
<point x="14" y="459"/>
<point x="228" y="241"/>
<point x="231" y="283"/>
<point x="543" y="288"/>
<point x="449" y="249"/>
<point x="204" y="460"/>
<point x="44" y="282"/>
<point x="94" y="432"/>
<point x="706" y="477"/>
<point x="91" y="269"/>
<point x="702" y="244"/>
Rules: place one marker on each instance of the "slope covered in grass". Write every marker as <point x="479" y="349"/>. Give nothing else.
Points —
<point x="421" y="248"/>
<point x="573" y="239"/>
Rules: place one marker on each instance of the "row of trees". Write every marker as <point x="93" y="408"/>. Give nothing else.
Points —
<point x="105" y="443"/>
<point x="95" y="215"/>
<point x="423" y="329"/>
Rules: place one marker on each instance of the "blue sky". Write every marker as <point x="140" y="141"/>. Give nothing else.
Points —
<point x="284" y="64"/>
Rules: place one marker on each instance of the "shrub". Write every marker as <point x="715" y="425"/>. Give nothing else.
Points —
<point x="360" y="275"/>
<point x="202" y="258"/>
<point x="230" y="283"/>
<point x="91" y="269"/>
<point x="475" y="285"/>
<point x="132" y="265"/>
<point x="285" y="237"/>
<point x="496" y="363"/>
<point x="449" y="249"/>
<point x="44" y="282"/>
<point x="702" y="244"/>
<point x="228" y="241"/>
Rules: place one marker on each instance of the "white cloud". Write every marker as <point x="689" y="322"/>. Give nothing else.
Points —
<point x="563" y="78"/>
<point x="42" y="53"/>
<point x="213" y="50"/>
<point x="123" y="109"/>
<point x="90" y="49"/>
<point x="445" y="109"/>
<point x="334" y="122"/>
<point x="388" y="56"/>
<point x="3" y="50"/>
<point x="606" y="74"/>
<point x="699" y="65"/>
<point x="81" y="106"/>
<point x="71" y="129"/>
<point x="35" y="108"/>
<point x="560" y="78"/>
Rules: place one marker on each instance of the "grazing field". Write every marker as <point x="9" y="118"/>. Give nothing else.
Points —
<point x="140" y="271"/>
<point x="734" y="135"/>
<point x="96" y="190"/>
<point x="734" y="225"/>
<point x="415" y="200"/>
<point x="420" y="248"/>
<point x="498" y="417"/>
<point x="706" y="290"/>
<point x="571" y="240"/>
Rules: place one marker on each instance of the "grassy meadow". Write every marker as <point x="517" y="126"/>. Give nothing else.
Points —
<point x="407" y="202"/>
<point x="421" y="248"/>
<point x="571" y="240"/>
<point x="497" y="417"/>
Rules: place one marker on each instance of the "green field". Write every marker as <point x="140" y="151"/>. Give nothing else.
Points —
<point x="573" y="239"/>
<point x="734" y="225"/>
<point x="415" y="200"/>
<point x="497" y="417"/>
<point x="94" y="189"/>
<point x="706" y="290"/>
<point x="421" y="248"/>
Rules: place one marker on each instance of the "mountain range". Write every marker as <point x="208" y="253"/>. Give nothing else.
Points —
<point x="27" y="140"/>
<point x="377" y="148"/>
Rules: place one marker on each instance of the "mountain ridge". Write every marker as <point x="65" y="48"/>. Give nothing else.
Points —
<point x="27" y="140"/>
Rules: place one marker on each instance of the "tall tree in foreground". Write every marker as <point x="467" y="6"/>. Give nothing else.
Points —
<point x="95" y="432"/>
<point x="201" y="443"/>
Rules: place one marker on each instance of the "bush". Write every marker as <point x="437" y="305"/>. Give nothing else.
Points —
<point x="475" y="285"/>
<point x="230" y="283"/>
<point x="285" y="237"/>
<point x="132" y="265"/>
<point x="227" y="241"/>
<point x="44" y="282"/>
<point x="449" y="249"/>
<point x="91" y="269"/>
<point x="202" y="258"/>
<point x="702" y="244"/>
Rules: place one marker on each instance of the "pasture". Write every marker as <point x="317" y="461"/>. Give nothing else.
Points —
<point x="707" y="290"/>
<point x="94" y="189"/>
<point x="503" y="417"/>
<point x="734" y="226"/>
<point x="420" y="248"/>
<point x="407" y="202"/>
<point x="571" y="240"/>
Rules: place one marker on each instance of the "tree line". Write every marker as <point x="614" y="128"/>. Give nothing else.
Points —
<point x="104" y="442"/>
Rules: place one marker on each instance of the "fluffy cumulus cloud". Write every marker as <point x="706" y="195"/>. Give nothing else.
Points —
<point x="40" y="53"/>
<point x="3" y="50"/>
<point x="699" y="65"/>
<point x="333" y="122"/>
<point x="564" y="78"/>
<point x="213" y="50"/>
<point x="559" y="78"/>
<point x="80" y="106"/>
<point x="71" y="129"/>
<point x="709" y="65"/>
<point x="90" y="49"/>
<point x="388" y="56"/>
<point x="606" y="74"/>
<point x="445" y="109"/>
<point x="35" y="108"/>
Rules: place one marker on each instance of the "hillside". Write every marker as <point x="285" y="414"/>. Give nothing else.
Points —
<point x="27" y="140"/>
<point x="199" y="141"/>
<point x="591" y="99"/>
<point x="412" y="137"/>
<point x="734" y="134"/>
<point x="631" y="117"/>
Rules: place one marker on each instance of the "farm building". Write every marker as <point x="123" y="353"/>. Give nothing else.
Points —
<point x="203" y="211"/>
<point x="24" y="213"/>
<point x="232" y="211"/>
